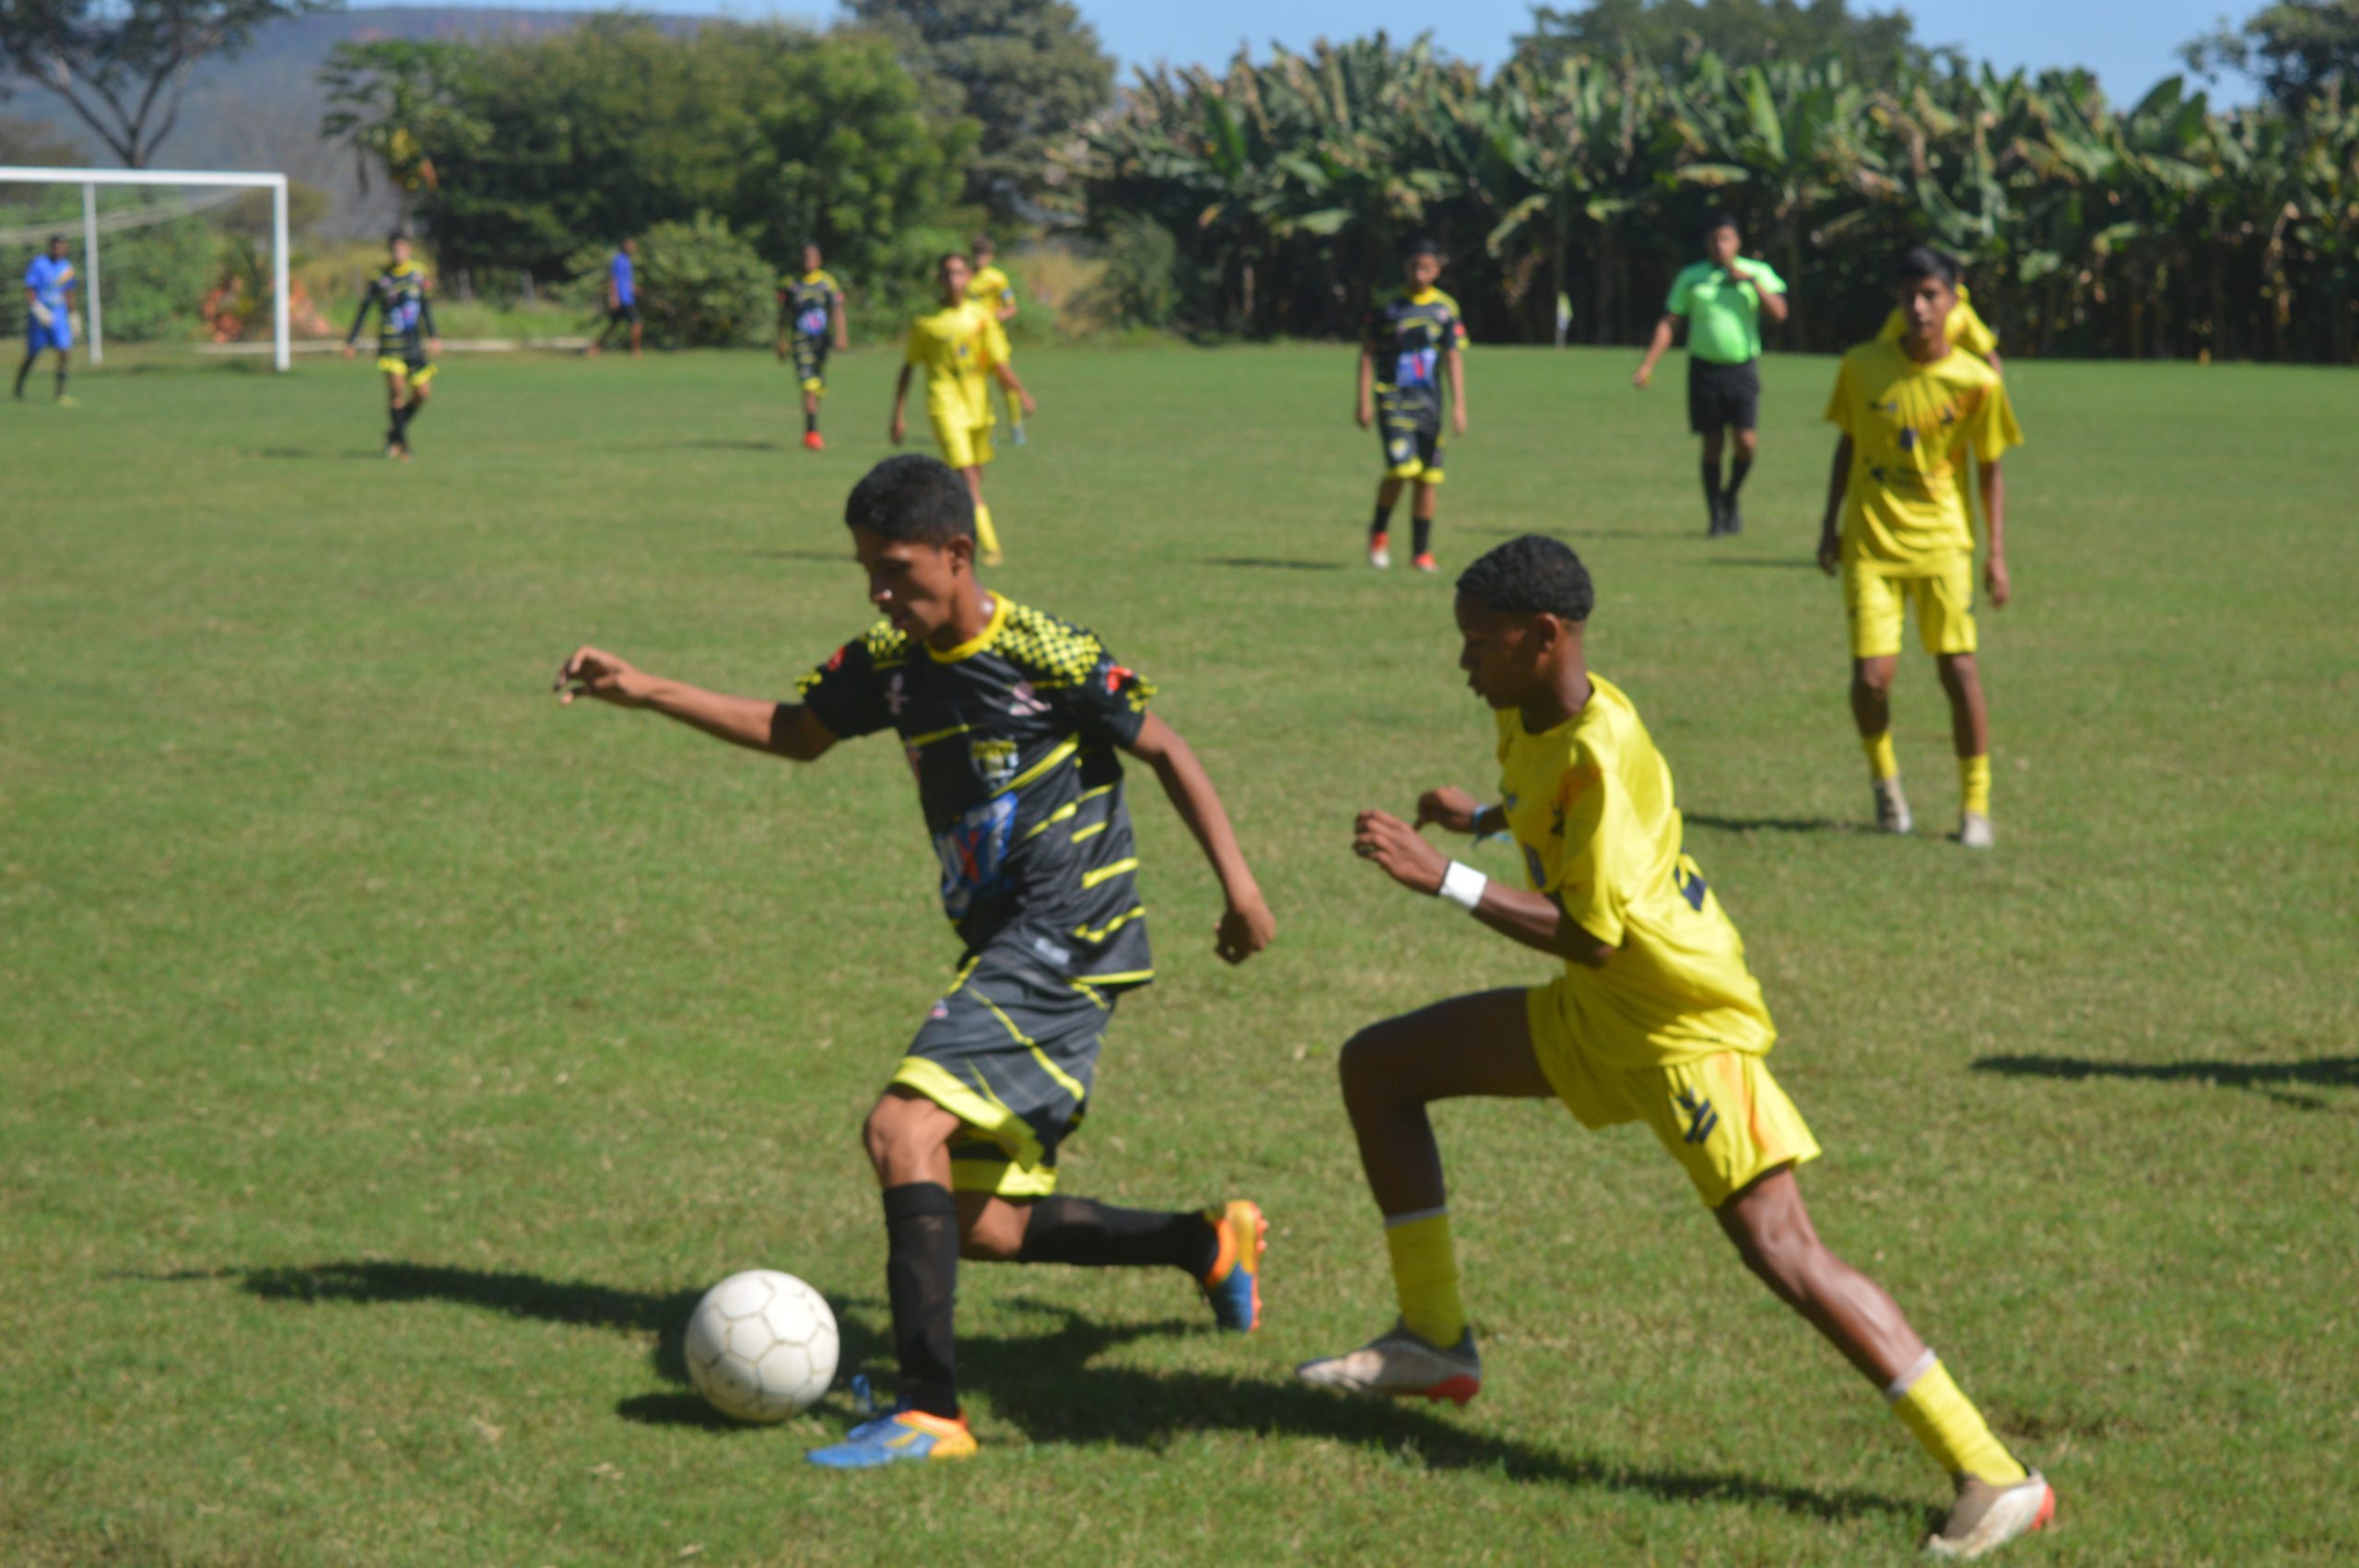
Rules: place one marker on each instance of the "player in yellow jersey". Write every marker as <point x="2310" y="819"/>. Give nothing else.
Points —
<point x="1656" y="1018"/>
<point x="989" y="289"/>
<point x="1899" y="533"/>
<point x="962" y="351"/>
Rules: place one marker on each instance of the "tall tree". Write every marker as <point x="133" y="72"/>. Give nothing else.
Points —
<point x="1872" y="45"/>
<point x="2296" y="49"/>
<point x="391" y="99"/>
<point x="122" y="64"/>
<point x="1028" y="71"/>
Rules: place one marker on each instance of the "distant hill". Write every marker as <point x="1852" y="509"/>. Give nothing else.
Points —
<point x="262" y="109"/>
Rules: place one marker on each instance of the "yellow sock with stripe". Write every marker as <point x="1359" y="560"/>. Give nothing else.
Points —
<point x="1424" y="1272"/>
<point x="1948" y="1426"/>
<point x="985" y="536"/>
<point x="1883" y="761"/>
<point x="1974" y="783"/>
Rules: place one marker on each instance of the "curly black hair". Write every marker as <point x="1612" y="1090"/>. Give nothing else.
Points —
<point x="1533" y="575"/>
<point x="913" y="497"/>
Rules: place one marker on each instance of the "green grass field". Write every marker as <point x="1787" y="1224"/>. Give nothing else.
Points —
<point x="391" y="1056"/>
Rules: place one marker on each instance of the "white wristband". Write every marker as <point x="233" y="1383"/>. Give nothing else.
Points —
<point x="1462" y="885"/>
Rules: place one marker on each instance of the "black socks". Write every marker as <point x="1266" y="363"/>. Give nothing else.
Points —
<point x="1383" y="523"/>
<point x="921" y="1281"/>
<point x="1421" y="532"/>
<point x="1711" y="471"/>
<point x="810" y="424"/>
<point x="1078" y="1230"/>
<point x="1738" y="469"/>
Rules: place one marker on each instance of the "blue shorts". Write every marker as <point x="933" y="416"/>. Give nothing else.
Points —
<point x="58" y="335"/>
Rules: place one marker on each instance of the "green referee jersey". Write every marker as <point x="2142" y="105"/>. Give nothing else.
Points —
<point x="1723" y="318"/>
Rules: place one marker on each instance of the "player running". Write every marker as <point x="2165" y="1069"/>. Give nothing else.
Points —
<point x="622" y="299"/>
<point x="1011" y="720"/>
<point x="1408" y="341"/>
<point x="1722" y="298"/>
<point x="1898" y="531"/>
<point x="989" y="289"/>
<point x="50" y="282"/>
<point x="1656" y="1018"/>
<point x="962" y="351"/>
<point x="402" y="295"/>
<point x="810" y="318"/>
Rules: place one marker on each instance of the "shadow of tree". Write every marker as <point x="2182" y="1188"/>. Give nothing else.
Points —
<point x="2274" y="1079"/>
<point x="1049" y="1383"/>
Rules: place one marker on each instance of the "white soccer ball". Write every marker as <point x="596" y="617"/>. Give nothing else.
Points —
<point x="761" y="1346"/>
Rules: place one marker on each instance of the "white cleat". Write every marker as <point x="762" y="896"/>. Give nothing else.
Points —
<point x="1987" y="1516"/>
<point x="1401" y="1365"/>
<point x="1378" y="555"/>
<point x="1973" y="831"/>
<point x="1891" y="807"/>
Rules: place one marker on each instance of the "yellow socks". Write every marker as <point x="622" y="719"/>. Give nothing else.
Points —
<point x="1974" y="783"/>
<point x="984" y="533"/>
<point x="1883" y="762"/>
<point x="1425" y="1271"/>
<point x="1948" y="1426"/>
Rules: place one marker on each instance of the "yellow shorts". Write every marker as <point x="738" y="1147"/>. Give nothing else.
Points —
<point x="418" y="374"/>
<point x="1875" y="601"/>
<point x="963" y="446"/>
<point x="1723" y="1117"/>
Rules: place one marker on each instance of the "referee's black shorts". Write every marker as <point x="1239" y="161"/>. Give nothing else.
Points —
<point x="1722" y="397"/>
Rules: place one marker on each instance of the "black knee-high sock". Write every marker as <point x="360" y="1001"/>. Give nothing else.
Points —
<point x="61" y="375"/>
<point x="1711" y="470"/>
<point x="1738" y="469"/>
<point x="1383" y="522"/>
<point x="1099" y="1236"/>
<point x="23" y="370"/>
<point x="1421" y="530"/>
<point x="411" y="410"/>
<point x="810" y="422"/>
<point x="921" y="1281"/>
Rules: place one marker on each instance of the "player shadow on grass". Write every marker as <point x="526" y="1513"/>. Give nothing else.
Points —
<point x="2274" y="1079"/>
<point x="1767" y="824"/>
<point x="1273" y="563"/>
<point x="1783" y="563"/>
<point x="1044" y="1385"/>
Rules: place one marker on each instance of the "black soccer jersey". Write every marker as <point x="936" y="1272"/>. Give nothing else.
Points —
<point x="1012" y="739"/>
<point x="405" y="313"/>
<point x="1406" y="336"/>
<point x="805" y="301"/>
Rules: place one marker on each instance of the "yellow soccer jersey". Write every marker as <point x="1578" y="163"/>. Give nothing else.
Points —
<point x="1965" y="329"/>
<point x="1589" y="804"/>
<point x="989" y="289"/>
<point x="1911" y="426"/>
<point x="956" y="347"/>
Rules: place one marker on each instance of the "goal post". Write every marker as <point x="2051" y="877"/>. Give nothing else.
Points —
<point x="91" y="178"/>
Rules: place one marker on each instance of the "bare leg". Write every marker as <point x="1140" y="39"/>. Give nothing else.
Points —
<point x="1469" y="1044"/>
<point x="1773" y="1233"/>
<point x="1871" y="693"/>
<point x="1969" y="722"/>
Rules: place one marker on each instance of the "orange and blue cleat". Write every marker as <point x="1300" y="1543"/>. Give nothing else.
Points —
<point x="1233" y="1286"/>
<point x="897" y="1435"/>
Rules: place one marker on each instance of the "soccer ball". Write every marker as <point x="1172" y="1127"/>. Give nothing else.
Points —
<point x="762" y="1346"/>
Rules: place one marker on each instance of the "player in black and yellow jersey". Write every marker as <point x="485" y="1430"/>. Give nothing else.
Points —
<point x="1409" y="342"/>
<point x="403" y="298"/>
<point x="1899" y="532"/>
<point x="1014" y="723"/>
<point x="811" y="319"/>
<point x="1656" y="1018"/>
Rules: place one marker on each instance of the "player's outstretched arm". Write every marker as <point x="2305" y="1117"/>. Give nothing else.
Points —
<point x="1533" y="919"/>
<point x="1830" y="536"/>
<point x="1994" y="511"/>
<point x="1245" y="926"/>
<point x="782" y="729"/>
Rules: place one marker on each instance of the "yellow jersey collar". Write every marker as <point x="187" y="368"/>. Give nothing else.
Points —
<point x="979" y="641"/>
<point x="1424" y="297"/>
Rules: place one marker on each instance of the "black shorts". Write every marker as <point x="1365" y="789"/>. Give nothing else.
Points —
<point x="1011" y="1050"/>
<point x="811" y="362"/>
<point x="617" y="314"/>
<point x="1722" y="396"/>
<point x="1410" y="433"/>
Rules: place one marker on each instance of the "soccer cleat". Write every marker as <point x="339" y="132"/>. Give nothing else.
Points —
<point x="896" y="1437"/>
<point x="1378" y="555"/>
<point x="1233" y="1287"/>
<point x="66" y="400"/>
<point x="814" y="441"/>
<point x="1713" y="530"/>
<point x="1891" y="807"/>
<point x="1016" y="434"/>
<point x="1403" y="1365"/>
<point x="1424" y="563"/>
<point x="1732" y="520"/>
<point x="1987" y="1516"/>
<point x="1973" y="831"/>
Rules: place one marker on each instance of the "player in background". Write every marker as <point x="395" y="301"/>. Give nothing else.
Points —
<point x="50" y="282"/>
<point x="1409" y="341"/>
<point x="1655" y="1018"/>
<point x="1012" y="721"/>
<point x="402" y="297"/>
<point x="1965" y="330"/>
<point x="962" y="350"/>
<point x="810" y="319"/>
<point x="1722" y="299"/>
<point x="1899" y="532"/>
<point x="989" y="289"/>
<point x="622" y="299"/>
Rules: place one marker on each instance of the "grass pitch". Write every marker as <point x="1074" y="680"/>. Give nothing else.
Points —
<point x="391" y="1056"/>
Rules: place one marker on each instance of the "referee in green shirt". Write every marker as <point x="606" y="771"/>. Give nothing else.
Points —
<point x="1722" y="298"/>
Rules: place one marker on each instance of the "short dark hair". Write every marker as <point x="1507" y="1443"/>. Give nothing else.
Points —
<point x="1533" y="575"/>
<point x="913" y="497"/>
<point x="1716" y="221"/>
<point x="948" y="256"/>
<point x="398" y="237"/>
<point x="983" y="242"/>
<point x="1923" y="261"/>
<point x="57" y="240"/>
<point x="1422" y="245"/>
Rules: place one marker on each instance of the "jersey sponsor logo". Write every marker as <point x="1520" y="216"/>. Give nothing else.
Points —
<point x="1415" y="367"/>
<point x="836" y="660"/>
<point x="1538" y="872"/>
<point x="973" y="851"/>
<point x="1052" y="951"/>
<point x="1115" y="677"/>
<point x="1024" y="699"/>
<point x="995" y="761"/>
<point x="812" y="322"/>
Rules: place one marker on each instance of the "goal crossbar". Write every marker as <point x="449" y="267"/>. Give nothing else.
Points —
<point x="91" y="178"/>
